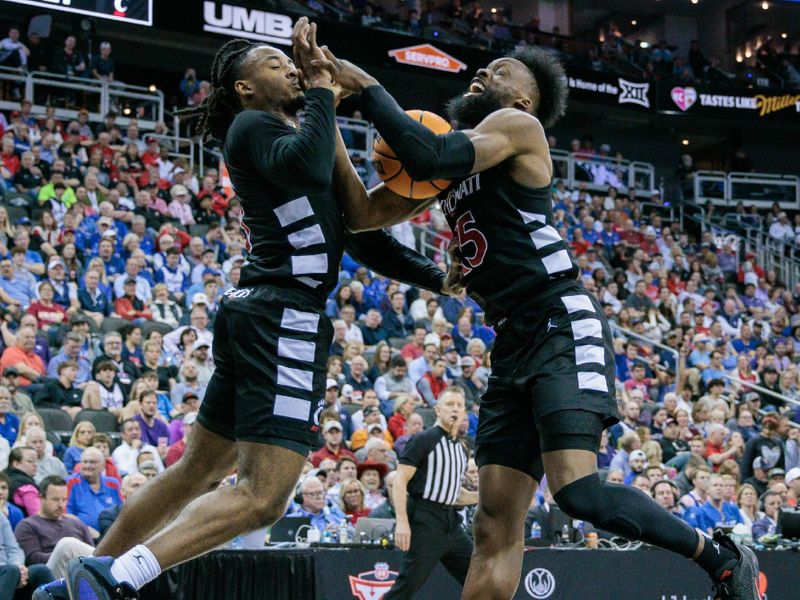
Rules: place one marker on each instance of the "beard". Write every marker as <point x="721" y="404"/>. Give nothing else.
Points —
<point x="469" y="110"/>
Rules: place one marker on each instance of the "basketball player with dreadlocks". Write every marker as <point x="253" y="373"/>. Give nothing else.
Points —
<point x="550" y="393"/>
<point x="271" y="336"/>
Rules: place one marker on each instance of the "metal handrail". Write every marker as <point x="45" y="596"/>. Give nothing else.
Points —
<point x="644" y="338"/>
<point x="760" y="389"/>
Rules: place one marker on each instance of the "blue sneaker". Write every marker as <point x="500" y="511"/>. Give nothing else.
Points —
<point x="55" y="590"/>
<point x="90" y="578"/>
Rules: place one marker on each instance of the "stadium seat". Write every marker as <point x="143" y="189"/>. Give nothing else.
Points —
<point x="15" y="212"/>
<point x="428" y="415"/>
<point x="112" y="324"/>
<point x="149" y="326"/>
<point x="198" y="230"/>
<point x="396" y="342"/>
<point x="56" y="421"/>
<point x="102" y="420"/>
<point x="351" y="408"/>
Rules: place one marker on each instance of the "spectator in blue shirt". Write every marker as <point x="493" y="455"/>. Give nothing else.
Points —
<point x="172" y="275"/>
<point x="9" y="422"/>
<point x="313" y="505"/>
<point x="715" y="369"/>
<point x="16" y="285"/>
<point x="71" y="350"/>
<point x="33" y="260"/>
<point x="94" y="302"/>
<point x="608" y="236"/>
<point x="91" y="492"/>
<point x="701" y="356"/>
<point x="715" y="512"/>
<point x="113" y="264"/>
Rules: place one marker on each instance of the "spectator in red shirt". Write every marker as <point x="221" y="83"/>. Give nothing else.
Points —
<point x="219" y="204"/>
<point x="9" y="161"/>
<point x="630" y="235"/>
<point x="649" y="244"/>
<point x="638" y="381"/>
<point x="413" y="349"/>
<point x="432" y="383"/>
<point x="21" y="356"/>
<point x="578" y="243"/>
<point x="47" y="313"/>
<point x="129" y="306"/>
<point x="176" y="451"/>
<point x="153" y="152"/>
<point x="404" y="405"/>
<point x="715" y="452"/>
<point x="333" y="448"/>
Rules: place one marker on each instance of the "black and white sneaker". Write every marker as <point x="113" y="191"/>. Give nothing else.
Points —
<point x="740" y="582"/>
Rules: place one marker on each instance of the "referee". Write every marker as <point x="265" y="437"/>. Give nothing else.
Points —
<point x="427" y="493"/>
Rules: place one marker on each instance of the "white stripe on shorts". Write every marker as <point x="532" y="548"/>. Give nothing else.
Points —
<point x="545" y="236"/>
<point x="557" y="262"/>
<point x="296" y="349"/>
<point x="296" y="378"/>
<point x="576" y="303"/>
<point x="310" y="282"/>
<point x="293" y="211"/>
<point x="293" y="408"/>
<point x="311" y="263"/>
<point x="590" y="354"/>
<point x="592" y="381"/>
<point x="297" y="320"/>
<point x="586" y="328"/>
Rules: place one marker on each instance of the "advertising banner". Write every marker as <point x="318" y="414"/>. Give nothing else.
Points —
<point x="129" y="11"/>
<point x="610" y="90"/>
<point x="555" y="575"/>
<point x="740" y="104"/>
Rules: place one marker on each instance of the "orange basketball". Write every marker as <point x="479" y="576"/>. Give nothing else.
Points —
<point x="393" y="174"/>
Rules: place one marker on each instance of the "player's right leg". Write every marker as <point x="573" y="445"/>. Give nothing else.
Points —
<point x="509" y="468"/>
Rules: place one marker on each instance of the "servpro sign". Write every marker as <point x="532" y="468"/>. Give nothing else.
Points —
<point x="427" y="57"/>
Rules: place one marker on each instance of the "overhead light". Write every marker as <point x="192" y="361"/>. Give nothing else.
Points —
<point x="494" y="10"/>
<point x="739" y="57"/>
<point x="644" y="44"/>
<point x="765" y="5"/>
<point x="748" y="53"/>
<point x="685" y="142"/>
<point x="784" y="35"/>
<point x="152" y="87"/>
<point x="695" y="1"/>
<point x="634" y="22"/>
<point x="126" y="110"/>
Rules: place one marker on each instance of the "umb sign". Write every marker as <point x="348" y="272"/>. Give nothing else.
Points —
<point x="427" y="57"/>
<point x="129" y="11"/>
<point x="252" y="24"/>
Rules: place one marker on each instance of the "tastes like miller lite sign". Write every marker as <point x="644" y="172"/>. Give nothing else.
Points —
<point x="427" y="57"/>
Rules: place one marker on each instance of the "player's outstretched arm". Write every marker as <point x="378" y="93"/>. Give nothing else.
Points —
<point x="379" y="251"/>
<point x="425" y="155"/>
<point x="365" y="211"/>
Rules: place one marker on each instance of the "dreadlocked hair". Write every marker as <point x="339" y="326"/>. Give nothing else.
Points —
<point x="551" y="83"/>
<point x="217" y="111"/>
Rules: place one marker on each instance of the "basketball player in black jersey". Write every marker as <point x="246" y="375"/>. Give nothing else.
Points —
<point x="551" y="391"/>
<point x="271" y="337"/>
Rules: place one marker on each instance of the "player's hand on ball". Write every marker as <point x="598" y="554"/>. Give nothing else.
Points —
<point x="402" y="536"/>
<point x="349" y="76"/>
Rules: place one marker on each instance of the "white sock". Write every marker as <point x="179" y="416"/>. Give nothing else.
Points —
<point x="137" y="566"/>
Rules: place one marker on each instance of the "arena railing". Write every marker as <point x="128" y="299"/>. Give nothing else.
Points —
<point x="598" y="173"/>
<point x="760" y="389"/>
<point x="759" y="189"/>
<point x="70" y="94"/>
<point x="643" y="338"/>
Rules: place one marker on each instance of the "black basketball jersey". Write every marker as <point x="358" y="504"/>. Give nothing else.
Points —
<point x="511" y="249"/>
<point x="294" y="231"/>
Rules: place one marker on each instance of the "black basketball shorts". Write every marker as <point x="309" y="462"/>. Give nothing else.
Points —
<point x="552" y="381"/>
<point x="270" y="351"/>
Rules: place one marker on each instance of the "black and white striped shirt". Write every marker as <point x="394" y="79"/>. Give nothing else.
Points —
<point x="441" y="462"/>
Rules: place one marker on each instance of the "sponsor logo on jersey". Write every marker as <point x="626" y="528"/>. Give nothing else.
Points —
<point x="373" y="585"/>
<point x="427" y="57"/>
<point x="467" y="187"/>
<point x="248" y="23"/>
<point x="540" y="584"/>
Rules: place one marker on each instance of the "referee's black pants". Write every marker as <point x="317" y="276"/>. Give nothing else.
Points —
<point x="436" y="535"/>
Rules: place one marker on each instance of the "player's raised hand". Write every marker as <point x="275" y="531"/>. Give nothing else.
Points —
<point x="317" y="70"/>
<point x="348" y="75"/>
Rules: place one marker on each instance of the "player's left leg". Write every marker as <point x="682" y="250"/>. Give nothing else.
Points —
<point x="569" y="452"/>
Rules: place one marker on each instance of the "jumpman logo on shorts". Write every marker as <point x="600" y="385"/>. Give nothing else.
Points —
<point x="139" y="558"/>
<point x="551" y="325"/>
